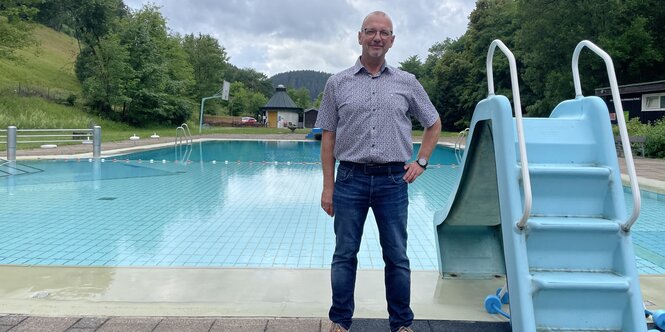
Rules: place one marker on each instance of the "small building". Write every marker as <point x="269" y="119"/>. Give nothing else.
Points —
<point x="645" y="101"/>
<point x="280" y="111"/>
<point x="309" y="117"/>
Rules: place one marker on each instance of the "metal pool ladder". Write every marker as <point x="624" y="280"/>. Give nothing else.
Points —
<point x="461" y="137"/>
<point x="183" y="143"/>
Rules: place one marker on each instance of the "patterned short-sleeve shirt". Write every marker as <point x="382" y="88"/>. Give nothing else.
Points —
<point x="370" y="114"/>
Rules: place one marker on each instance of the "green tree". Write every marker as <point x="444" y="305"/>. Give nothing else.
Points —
<point x="208" y="60"/>
<point x="161" y="69"/>
<point x="92" y="20"/>
<point x="317" y="102"/>
<point x="301" y="97"/>
<point x="454" y="71"/>
<point x="245" y="102"/>
<point x="136" y="72"/>
<point x="251" y="78"/>
<point x="106" y="76"/>
<point x="412" y="65"/>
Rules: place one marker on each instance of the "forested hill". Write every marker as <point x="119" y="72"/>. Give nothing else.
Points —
<point x="314" y="81"/>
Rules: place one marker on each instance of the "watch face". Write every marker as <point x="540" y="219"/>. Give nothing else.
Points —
<point x="422" y="162"/>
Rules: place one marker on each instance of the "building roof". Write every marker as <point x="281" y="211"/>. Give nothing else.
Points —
<point x="281" y="101"/>
<point x="656" y="86"/>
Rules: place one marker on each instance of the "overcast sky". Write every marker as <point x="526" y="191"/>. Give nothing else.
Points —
<point x="274" y="36"/>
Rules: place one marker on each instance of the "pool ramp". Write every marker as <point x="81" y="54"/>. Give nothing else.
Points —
<point x="554" y="223"/>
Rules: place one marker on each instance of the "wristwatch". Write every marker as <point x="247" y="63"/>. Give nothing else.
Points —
<point x="422" y="162"/>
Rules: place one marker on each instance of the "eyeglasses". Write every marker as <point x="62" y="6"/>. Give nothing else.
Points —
<point x="372" y="32"/>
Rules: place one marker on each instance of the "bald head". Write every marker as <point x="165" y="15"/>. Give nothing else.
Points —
<point x="379" y="14"/>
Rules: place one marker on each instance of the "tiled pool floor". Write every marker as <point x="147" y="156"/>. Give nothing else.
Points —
<point x="240" y="215"/>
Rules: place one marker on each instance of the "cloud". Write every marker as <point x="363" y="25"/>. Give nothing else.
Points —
<point x="276" y="36"/>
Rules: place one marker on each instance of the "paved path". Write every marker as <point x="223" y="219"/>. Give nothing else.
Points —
<point x="211" y="324"/>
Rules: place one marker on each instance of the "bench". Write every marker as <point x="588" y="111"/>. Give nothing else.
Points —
<point x="637" y="143"/>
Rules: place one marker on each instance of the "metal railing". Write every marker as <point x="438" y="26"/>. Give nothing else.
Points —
<point x="16" y="136"/>
<point x="461" y="137"/>
<point x="517" y="105"/>
<point x="183" y="143"/>
<point x="621" y="122"/>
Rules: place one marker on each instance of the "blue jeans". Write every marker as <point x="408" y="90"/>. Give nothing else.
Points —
<point x="357" y="190"/>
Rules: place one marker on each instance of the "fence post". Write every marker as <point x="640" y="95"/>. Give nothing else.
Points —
<point x="11" y="143"/>
<point x="96" y="141"/>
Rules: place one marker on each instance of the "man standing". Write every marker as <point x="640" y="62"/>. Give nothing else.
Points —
<point x="364" y="115"/>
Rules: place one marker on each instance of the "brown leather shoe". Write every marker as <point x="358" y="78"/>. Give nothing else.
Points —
<point x="334" y="327"/>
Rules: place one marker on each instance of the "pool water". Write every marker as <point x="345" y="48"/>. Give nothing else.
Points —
<point x="236" y="204"/>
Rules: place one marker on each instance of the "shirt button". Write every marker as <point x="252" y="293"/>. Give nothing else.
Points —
<point x="372" y="145"/>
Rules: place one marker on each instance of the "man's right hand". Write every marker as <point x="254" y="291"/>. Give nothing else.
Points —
<point x="326" y="201"/>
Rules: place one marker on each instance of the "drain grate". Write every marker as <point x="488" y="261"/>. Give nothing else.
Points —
<point x="106" y="198"/>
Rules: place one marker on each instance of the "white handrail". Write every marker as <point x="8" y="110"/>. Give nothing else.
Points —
<point x="188" y="133"/>
<point x="458" y="145"/>
<point x="621" y="122"/>
<point x="180" y="140"/>
<point x="526" y="180"/>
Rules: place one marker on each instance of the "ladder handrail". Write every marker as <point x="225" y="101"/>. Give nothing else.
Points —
<point x="517" y="105"/>
<point x="180" y="140"/>
<point x="458" y="145"/>
<point x="621" y="122"/>
<point x="188" y="133"/>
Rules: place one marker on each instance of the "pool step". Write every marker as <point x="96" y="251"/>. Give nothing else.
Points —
<point x="572" y="244"/>
<point x="570" y="189"/>
<point x="559" y="141"/>
<point x="13" y="168"/>
<point x="580" y="301"/>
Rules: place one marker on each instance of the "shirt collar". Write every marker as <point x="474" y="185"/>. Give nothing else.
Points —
<point x="358" y="67"/>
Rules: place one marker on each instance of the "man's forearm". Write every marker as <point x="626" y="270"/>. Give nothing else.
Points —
<point x="328" y="158"/>
<point x="430" y="138"/>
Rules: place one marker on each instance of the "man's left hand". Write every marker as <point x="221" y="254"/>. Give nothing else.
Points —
<point x="413" y="171"/>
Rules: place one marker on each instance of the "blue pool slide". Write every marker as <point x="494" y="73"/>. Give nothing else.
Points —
<point x="540" y="200"/>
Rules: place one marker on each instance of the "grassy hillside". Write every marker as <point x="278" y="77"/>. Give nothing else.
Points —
<point x="49" y="65"/>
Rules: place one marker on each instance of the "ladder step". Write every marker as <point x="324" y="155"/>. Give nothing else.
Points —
<point x="579" y="281"/>
<point x="581" y="301"/>
<point x="573" y="244"/>
<point x="579" y="224"/>
<point x="570" y="189"/>
<point x="569" y="169"/>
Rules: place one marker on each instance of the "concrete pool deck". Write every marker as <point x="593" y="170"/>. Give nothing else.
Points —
<point x="183" y="299"/>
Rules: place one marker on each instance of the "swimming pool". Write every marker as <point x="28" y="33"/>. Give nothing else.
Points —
<point x="237" y="204"/>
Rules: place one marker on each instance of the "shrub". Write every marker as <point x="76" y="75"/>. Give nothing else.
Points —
<point x="71" y="99"/>
<point x="654" y="133"/>
<point x="655" y="139"/>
